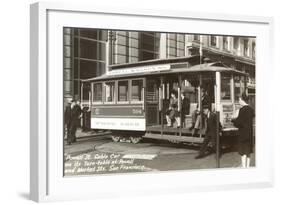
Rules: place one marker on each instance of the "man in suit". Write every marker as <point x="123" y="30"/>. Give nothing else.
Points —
<point x="76" y="113"/>
<point x="67" y="118"/>
<point x="211" y="131"/>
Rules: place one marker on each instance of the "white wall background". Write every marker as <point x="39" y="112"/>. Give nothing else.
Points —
<point x="14" y="102"/>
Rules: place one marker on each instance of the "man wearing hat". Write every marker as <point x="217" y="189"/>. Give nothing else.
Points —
<point x="74" y="122"/>
<point x="67" y="118"/>
<point x="211" y="131"/>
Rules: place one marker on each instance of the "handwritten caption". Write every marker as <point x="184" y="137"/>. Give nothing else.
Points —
<point x="100" y="163"/>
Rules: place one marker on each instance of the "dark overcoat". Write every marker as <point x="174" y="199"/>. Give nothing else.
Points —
<point x="206" y="101"/>
<point x="185" y="107"/>
<point x="244" y="122"/>
<point x="212" y="126"/>
<point x="67" y="114"/>
<point x="211" y="133"/>
<point x="75" y="114"/>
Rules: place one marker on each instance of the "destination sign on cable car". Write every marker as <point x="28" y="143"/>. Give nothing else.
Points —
<point x="141" y="69"/>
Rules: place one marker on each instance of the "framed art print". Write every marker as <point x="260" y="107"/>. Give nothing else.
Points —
<point x="128" y="102"/>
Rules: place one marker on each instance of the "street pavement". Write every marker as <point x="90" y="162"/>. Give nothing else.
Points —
<point x="98" y="154"/>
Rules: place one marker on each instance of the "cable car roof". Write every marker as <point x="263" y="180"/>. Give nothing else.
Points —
<point x="177" y="68"/>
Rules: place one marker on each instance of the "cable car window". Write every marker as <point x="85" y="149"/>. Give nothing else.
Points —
<point x="109" y="91"/>
<point x="123" y="93"/>
<point x="225" y="87"/>
<point x="97" y="93"/>
<point x="137" y="90"/>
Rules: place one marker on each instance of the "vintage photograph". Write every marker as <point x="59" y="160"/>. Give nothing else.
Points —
<point x="143" y="101"/>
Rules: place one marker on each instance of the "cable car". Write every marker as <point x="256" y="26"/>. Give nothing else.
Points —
<point x="131" y="100"/>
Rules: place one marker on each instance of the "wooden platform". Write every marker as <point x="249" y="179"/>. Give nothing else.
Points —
<point x="173" y="133"/>
<point x="166" y="129"/>
<point x="173" y="137"/>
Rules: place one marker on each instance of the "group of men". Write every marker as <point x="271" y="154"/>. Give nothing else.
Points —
<point x="72" y="116"/>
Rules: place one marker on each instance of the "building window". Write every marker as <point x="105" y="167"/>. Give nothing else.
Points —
<point x="236" y="47"/>
<point x="196" y="37"/>
<point x="246" y="48"/>
<point x="180" y="45"/>
<point x="225" y="43"/>
<point x="92" y="50"/>
<point x="109" y="91"/>
<point x="254" y="50"/>
<point x="175" y="45"/>
<point x="149" y="45"/>
<point x="123" y="93"/>
<point x="89" y="68"/>
<point x="126" y="48"/>
<point x="236" y="43"/>
<point x="97" y="92"/>
<point x="137" y="86"/>
<point x="214" y="41"/>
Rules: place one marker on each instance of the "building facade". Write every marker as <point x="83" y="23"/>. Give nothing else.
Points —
<point x="84" y="56"/>
<point x="90" y="52"/>
<point x="234" y="51"/>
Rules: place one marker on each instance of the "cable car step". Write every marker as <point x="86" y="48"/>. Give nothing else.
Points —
<point x="174" y="138"/>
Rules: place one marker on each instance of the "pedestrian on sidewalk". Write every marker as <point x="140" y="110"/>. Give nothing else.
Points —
<point x="67" y="118"/>
<point x="244" y="122"/>
<point x="76" y="114"/>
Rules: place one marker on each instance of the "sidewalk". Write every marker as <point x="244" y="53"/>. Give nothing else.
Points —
<point x="83" y="144"/>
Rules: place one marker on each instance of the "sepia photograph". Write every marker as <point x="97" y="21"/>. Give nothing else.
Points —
<point x="147" y="101"/>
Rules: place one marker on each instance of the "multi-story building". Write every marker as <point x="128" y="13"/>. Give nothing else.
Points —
<point x="90" y="52"/>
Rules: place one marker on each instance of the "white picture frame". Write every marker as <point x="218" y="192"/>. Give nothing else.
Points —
<point x="46" y="177"/>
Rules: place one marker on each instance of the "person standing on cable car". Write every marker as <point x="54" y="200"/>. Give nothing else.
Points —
<point x="244" y="122"/>
<point x="173" y="113"/>
<point x="206" y="100"/>
<point x="200" y="118"/>
<point x="185" y="106"/>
